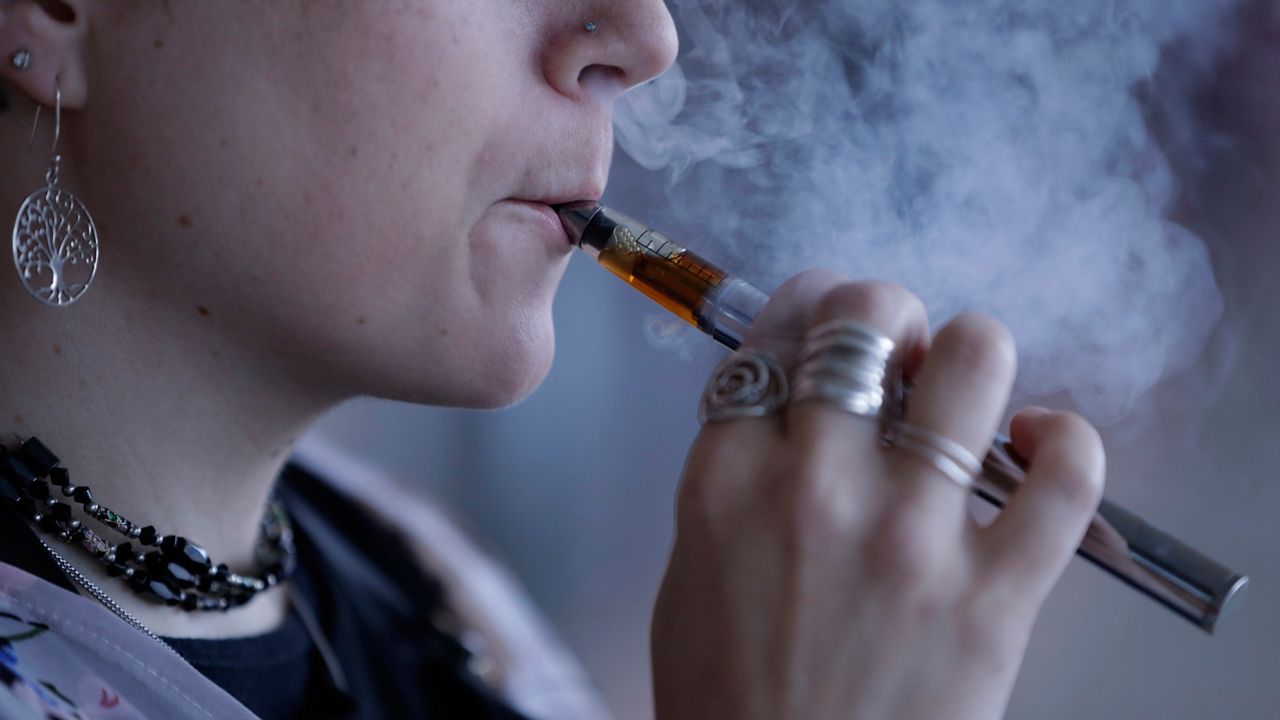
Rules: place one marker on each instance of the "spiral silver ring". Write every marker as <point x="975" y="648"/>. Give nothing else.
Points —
<point x="945" y="455"/>
<point x="747" y="384"/>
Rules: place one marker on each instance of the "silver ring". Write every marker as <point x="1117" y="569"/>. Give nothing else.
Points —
<point x="747" y="384"/>
<point x="850" y="332"/>
<point x="847" y="364"/>
<point x="945" y="455"/>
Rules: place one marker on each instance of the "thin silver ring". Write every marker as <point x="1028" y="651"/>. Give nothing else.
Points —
<point x="945" y="455"/>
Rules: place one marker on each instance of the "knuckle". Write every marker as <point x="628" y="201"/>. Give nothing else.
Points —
<point x="778" y="490"/>
<point x="791" y="306"/>
<point x="705" y="491"/>
<point x="814" y="510"/>
<point x="823" y="514"/>
<point x="796" y="489"/>
<point x="900" y="553"/>
<point x="807" y="281"/>
<point x="695" y="501"/>
<point x="878" y="301"/>
<point x="981" y="344"/>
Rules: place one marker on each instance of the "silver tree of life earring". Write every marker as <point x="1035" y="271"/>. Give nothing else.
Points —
<point x="55" y="241"/>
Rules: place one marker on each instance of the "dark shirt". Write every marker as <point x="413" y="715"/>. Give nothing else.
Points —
<point x="273" y="674"/>
<point x="373" y="650"/>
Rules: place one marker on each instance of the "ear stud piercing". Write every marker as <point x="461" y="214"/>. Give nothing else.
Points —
<point x="590" y="26"/>
<point x="21" y="60"/>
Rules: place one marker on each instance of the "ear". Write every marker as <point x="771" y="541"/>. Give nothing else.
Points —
<point x="55" y="33"/>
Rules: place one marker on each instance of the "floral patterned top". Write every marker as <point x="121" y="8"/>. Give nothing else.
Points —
<point x="63" y="656"/>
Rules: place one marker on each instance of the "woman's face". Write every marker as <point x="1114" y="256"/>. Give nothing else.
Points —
<point x="354" y="188"/>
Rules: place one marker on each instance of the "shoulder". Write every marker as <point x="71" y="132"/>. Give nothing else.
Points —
<point x="518" y="653"/>
<point x="65" y="656"/>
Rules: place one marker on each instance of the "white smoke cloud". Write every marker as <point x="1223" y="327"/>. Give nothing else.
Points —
<point x="989" y="154"/>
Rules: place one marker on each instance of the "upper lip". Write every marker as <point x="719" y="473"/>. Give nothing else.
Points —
<point x="591" y="192"/>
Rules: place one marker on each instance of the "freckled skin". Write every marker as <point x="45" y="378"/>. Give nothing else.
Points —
<point x="354" y="154"/>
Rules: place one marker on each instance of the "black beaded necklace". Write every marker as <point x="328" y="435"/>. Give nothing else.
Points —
<point x="168" y="569"/>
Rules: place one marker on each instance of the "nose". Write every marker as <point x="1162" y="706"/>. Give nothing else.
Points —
<point x="609" y="46"/>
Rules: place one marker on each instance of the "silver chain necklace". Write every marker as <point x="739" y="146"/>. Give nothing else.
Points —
<point x="98" y="594"/>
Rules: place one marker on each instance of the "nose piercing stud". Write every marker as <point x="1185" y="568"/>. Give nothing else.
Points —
<point x="590" y="26"/>
<point x="21" y="60"/>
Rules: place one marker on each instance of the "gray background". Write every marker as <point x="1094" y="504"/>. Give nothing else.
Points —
<point x="573" y="488"/>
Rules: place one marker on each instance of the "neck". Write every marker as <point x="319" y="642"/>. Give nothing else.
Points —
<point x="168" y="424"/>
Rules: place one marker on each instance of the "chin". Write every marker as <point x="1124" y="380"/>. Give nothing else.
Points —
<point x="509" y="388"/>
<point x="511" y="372"/>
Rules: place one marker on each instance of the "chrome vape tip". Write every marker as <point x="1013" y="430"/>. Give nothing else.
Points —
<point x="576" y="217"/>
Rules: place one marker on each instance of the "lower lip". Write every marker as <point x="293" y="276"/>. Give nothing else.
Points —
<point x="545" y="216"/>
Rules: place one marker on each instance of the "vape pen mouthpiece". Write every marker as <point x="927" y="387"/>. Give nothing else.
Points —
<point x="575" y="216"/>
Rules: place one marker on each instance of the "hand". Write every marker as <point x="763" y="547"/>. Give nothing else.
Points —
<point x="817" y="574"/>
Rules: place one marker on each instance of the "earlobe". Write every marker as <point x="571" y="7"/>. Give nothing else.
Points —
<point x="43" y="47"/>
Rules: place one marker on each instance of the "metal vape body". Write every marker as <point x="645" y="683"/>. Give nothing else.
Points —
<point x="1147" y="559"/>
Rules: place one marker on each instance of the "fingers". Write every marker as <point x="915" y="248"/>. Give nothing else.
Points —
<point x="960" y="393"/>
<point x="889" y="309"/>
<point x="1041" y="527"/>
<point x="822" y="435"/>
<point x="779" y="329"/>
<point x="781" y="325"/>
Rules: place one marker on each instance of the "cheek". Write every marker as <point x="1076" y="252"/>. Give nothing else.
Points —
<point x="459" y="349"/>
<point x="462" y="320"/>
<point x="504" y="336"/>
<point x="343" y="226"/>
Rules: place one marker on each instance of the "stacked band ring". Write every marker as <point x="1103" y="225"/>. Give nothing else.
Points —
<point x="846" y="364"/>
